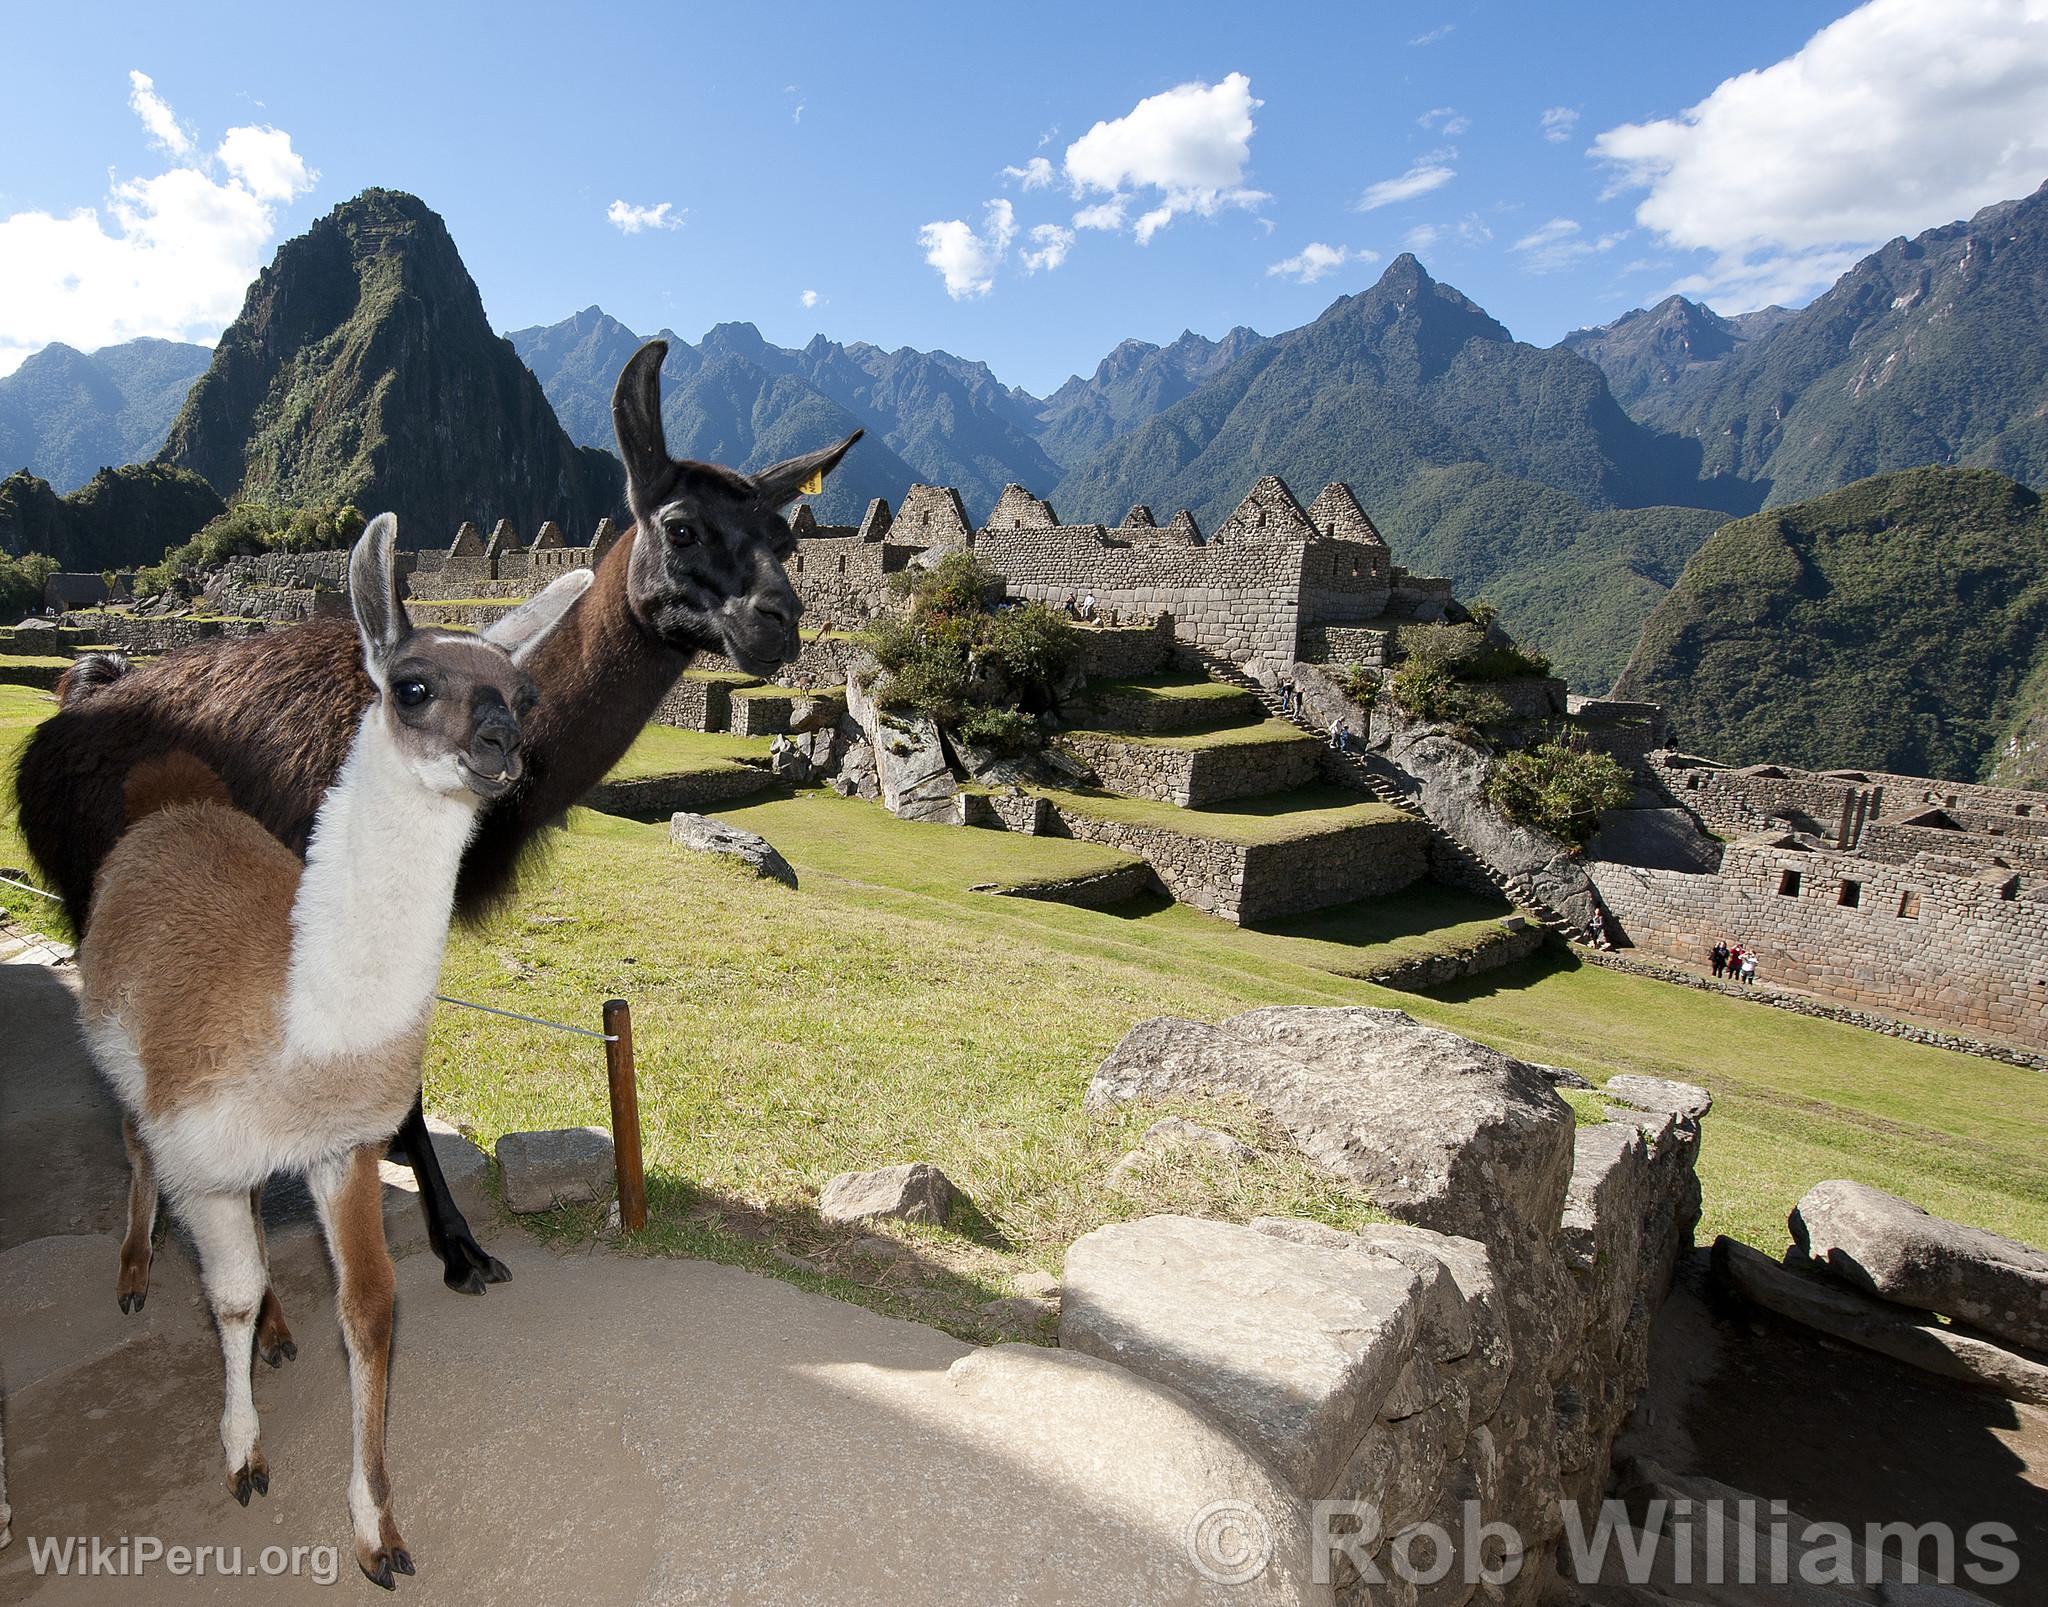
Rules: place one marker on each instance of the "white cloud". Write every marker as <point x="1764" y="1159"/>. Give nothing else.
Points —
<point x="1470" y="230"/>
<point x="630" y="219"/>
<point x="1191" y="144"/>
<point x="173" y="255"/>
<point x="1318" y="261"/>
<point x="1899" y="116"/>
<point x="1446" y="120"/>
<point x="1434" y="34"/>
<point x="165" y="131"/>
<point x="1560" y="243"/>
<point x="1557" y="123"/>
<point x="1431" y="172"/>
<point x="1104" y="214"/>
<point x="1036" y="174"/>
<point x="1052" y="243"/>
<point x="809" y="298"/>
<point x="967" y="261"/>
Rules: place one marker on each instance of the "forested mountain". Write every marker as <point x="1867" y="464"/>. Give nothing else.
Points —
<point x="362" y="370"/>
<point x="1900" y="623"/>
<point x="1135" y="382"/>
<point x="67" y="414"/>
<point x="119" y="518"/>
<point x="1931" y="350"/>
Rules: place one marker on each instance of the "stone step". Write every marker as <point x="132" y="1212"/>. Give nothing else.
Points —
<point x="1167" y="705"/>
<point x="1256" y="859"/>
<point x="1202" y="768"/>
<point x="701" y="700"/>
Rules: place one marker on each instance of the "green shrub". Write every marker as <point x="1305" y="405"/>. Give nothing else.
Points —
<point x="1468" y="652"/>
<point x="1005" y="730"/>
<point x="1359" y="684"/>
<point x="1433" y="692"/>
<point x="1560" y="786"/>
<point x="978" y="672"/>
<point x="249" y="529"/>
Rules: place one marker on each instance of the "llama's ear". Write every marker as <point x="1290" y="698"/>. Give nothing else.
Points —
<point x="783" y="483"/>
<point x="636" y="419"/>
<point x="373" y="590"/>
<point x="528" y="625"/>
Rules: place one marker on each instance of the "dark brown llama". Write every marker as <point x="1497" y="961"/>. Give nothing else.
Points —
<point x="273" y="715"/>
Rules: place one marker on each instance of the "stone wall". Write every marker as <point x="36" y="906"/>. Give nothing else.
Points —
<point x="1953" y="948"/>
<point x="150" y="633"/>
<point x="843" y="580"/>
<point x="698" y="791"/>
<point x="1194" y="778"/>
<point x="1902" y="845"/>
<point x="1249" y="882"/>
<point x="1468" y="1363"/>
<point x="1118" y="652"/>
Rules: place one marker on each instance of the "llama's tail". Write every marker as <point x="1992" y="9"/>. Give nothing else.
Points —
<point x="170" y="779"/>
<point x="89" y="673"/>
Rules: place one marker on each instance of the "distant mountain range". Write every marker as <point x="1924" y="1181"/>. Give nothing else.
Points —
<point x="1900" y="624"/>
<point x="67" y="415"/>
<point x="1930" y="350"/>
<point x="1568" y="485"/>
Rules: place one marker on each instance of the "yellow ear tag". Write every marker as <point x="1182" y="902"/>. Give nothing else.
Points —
<point x="812" y="486"/>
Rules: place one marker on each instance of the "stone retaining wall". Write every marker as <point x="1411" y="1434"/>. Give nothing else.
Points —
<point x="1956" y="949"/>
<point x="1194" y="778"/>
<point x="1518" y="940"/>
<point x="700" y="700"/>
<point x="149" y="633"/>
<point x="1099" y="891"/>
<point x="1902" y="845"/>
<point x="1118" y="652"/>
<point x="1473" y="1359"/>
<point x="1110" y="707"/>
<point x="697" y="791"/>
<point x="1248" y="882"/>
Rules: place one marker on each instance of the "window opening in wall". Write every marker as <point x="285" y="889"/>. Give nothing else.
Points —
<point x="1909" y="906"/>
<point x="1788" y="883"/>
<point x="1851" y="895"/>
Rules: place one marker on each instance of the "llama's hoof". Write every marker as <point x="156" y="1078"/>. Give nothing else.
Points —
<point x="277" y="1355"/>
<point x="242" y="1486"/>
<point x="251" y="1478"/>
<point x="382" y="1566"/>
<point x="468" y="1268"/>
<point x="132" y="1303"/>
<point x="260" y="1477"/>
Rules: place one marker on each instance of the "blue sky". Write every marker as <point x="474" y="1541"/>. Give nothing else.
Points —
<point x="1557" y="163"/>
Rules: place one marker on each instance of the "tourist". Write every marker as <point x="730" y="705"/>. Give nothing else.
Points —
<point x="1749" y="970"/>
<point x="1718" y="957"/>
<point x="1088" y="608"/>
<point x="1596" y="931"/>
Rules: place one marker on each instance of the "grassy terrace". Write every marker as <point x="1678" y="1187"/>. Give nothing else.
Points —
<point x="886" y="1013"/>
<point x="664" y="751"/>
<point x="1277" y="817"/>
<point x="1257" y="734"/>
<point x="1169" y="688"/>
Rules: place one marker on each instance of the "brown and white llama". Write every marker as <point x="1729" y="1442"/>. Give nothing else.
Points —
<point x="273" y="715"/>
<point x="255" y="1014"/>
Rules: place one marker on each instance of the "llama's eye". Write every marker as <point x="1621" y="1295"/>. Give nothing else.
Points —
<point x="681" y="535"/>
<point x="411" y="694"/>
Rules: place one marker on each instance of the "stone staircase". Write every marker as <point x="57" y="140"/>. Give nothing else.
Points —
<point x="1354" y="771"/>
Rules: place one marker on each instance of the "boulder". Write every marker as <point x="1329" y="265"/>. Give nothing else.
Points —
<point x="1681" y="1099"/>
<point x="1439" y="1130"/>
<point x="702" y="834"/>
<point x="1835" y="1309"/>
<point x="789" y="762"/>
<point x="914" y="1192"/>
<point x="1290" y="1347"/>
<point x="560" y="1166"/>
<point x="910" y="764"/>
<point x="1891" y="1247"/>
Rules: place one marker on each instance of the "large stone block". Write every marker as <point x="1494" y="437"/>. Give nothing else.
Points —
<point x="1437" y="1129"/>
<point x="1291" y="1348"/>
<point x="1891" y="1247"/>
<point x="559" y="1166"/>
<point x="909" y="759"/>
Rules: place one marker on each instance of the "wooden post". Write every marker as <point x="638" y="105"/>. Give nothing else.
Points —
<point x="618" y="1057"/>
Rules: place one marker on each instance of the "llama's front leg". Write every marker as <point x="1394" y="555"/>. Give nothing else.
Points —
<point x="131" y="1285"/>
<point x="273" y="1339"/>
<point x="231" y="1267"/>
<point x="350" y="1197"/>
<point x="466" y="1266"/>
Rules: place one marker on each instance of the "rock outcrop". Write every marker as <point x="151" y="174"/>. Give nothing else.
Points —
<point x="909" y="758"/>
<point x="1892" y="1248"/>
<point x="1477" y="1356"/>
<point x="701" y="834"/>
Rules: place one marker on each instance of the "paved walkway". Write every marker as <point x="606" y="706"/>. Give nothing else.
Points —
<point x="603" y="1428"/>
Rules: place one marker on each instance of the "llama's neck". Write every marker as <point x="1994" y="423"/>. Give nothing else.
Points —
<point x="371" y="916"/>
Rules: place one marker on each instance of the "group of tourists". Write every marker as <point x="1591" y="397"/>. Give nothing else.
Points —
<point x="1733" y="962"/>
<point x="1080" y="608"/>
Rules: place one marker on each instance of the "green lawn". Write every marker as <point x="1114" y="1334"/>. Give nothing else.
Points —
<point x="35" y="660"/>
<point x="663" y="750"/>
<point x="1170" y="688"/>
<point x="1276" y="817"/>
<point x="884" y="1013"/>
<point x="1250" y="734"/>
